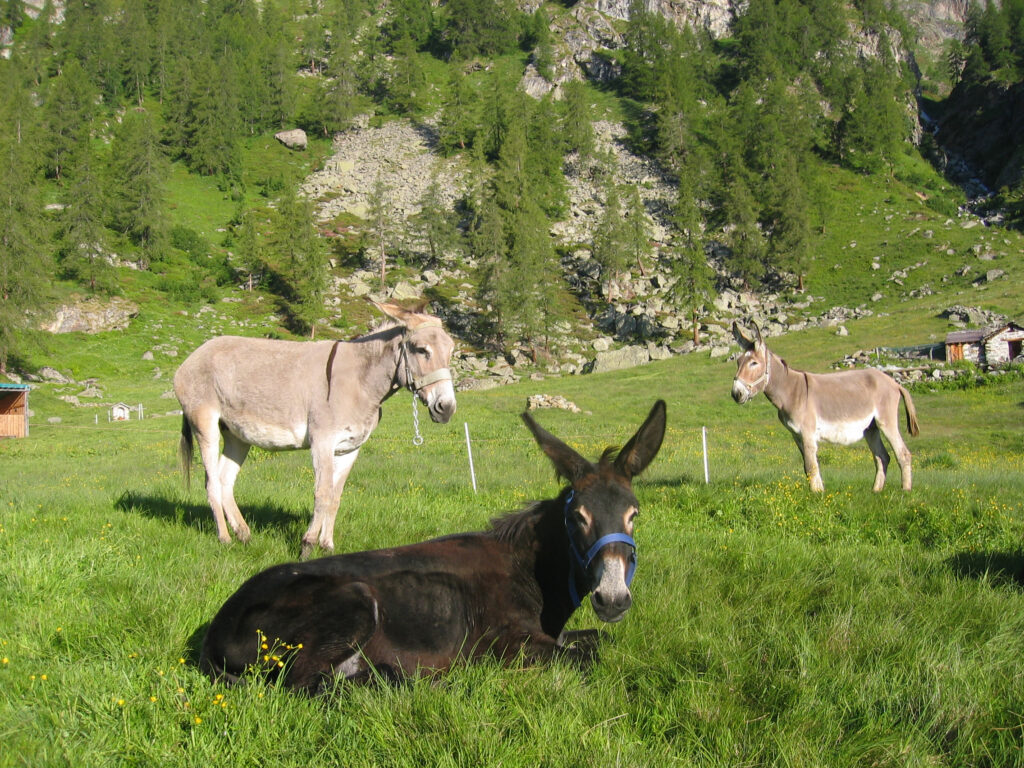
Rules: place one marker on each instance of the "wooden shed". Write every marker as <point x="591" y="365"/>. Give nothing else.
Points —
<point x="986" y="347"/>
<point x="13" y="410"/>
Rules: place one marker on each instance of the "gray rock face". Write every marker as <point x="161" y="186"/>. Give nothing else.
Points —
<point x="92" y="316"/>
<point x="617" y="359"/>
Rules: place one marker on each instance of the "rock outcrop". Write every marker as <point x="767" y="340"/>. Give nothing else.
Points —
<point x="92" y="315"/>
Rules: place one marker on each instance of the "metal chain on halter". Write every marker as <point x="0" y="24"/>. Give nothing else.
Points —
<point x="417" y="439"/>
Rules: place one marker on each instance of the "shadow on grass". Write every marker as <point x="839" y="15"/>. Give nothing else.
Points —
<point x="198" y="516"/>
<point x="194" y="645"/>
<point x="995" y="567"/>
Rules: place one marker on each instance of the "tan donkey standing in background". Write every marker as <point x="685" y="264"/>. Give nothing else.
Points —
<point x="839" y="407"/>
<point x="321" y="395"/>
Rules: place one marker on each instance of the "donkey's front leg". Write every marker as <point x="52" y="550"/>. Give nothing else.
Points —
<point x="809" y="450"/>
<point x="330" y="473"/>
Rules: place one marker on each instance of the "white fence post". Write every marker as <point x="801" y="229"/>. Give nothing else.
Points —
<point x="469" y="450"/>
<point x="704" y="442"/>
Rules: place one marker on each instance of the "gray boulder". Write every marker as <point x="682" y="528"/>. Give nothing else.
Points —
<point x="293" y="139"/>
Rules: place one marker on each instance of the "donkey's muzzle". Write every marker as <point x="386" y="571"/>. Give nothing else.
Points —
<point x="611" y="607"/>
<point x="442" y="410"/>
<point x="740" y="392"/>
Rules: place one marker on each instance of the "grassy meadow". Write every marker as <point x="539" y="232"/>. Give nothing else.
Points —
<point x="770" y="626"/>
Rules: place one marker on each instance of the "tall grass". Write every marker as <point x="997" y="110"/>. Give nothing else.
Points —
<point x="770" y="626"/>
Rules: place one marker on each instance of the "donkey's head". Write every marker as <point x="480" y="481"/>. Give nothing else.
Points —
<point x="425" y="356"/>
<point x="599" y="512"/>
<point x="753" y="366"/>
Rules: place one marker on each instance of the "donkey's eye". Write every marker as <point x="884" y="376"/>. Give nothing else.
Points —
<point x="425" y="351"/>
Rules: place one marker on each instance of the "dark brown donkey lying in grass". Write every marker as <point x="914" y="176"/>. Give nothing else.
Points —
<point x="421" y="607"/>
<point x="839" y="407"/>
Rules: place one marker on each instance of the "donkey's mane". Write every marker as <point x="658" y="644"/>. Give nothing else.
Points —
<point x="514" y="526"/>
<point x="384" y="325"/>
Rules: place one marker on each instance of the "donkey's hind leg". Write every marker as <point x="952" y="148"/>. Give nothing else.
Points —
<point x="891" y="429"/>
<point x="205" y="428"/>
<point x="874" y="439"/>
<point x="231" y="460"/>
<point x="334" y="636"/>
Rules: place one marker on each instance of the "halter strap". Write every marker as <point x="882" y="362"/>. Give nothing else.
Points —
<point x="584" y="561"/>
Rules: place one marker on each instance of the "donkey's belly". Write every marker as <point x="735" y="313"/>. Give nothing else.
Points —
<point x="842" y="432"/>
<point x="271" y="437"/>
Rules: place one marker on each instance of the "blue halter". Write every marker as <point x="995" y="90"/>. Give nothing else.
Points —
<point x="584" y="561"/>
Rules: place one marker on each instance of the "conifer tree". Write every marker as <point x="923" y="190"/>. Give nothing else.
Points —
<point x="139" y="173"/>
<point x="432" y="224"/>
<point x="608" y="246"/>
<point x="457" y="125"/>
<point x="380" y="227"/>
<point x="137" y="49"/>
<point x="24" y="257"/>
<point x="304" y="257"/>
<point x="69" y="111"/>
<point x="695" y="279"/>
<point x="214" y="121"/>
<point x="526" y="288"/>
<point x="790" y="239"/>
<point x="745" y="240"/>
<point x="81" y="223"/>
<point x="407" y="83"/>
<point x="251" y="249"/>
<point x="577" y="125"/>
<point x="638" y="241"/>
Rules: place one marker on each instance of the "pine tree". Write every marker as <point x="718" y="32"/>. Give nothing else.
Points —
<point x="304" y="260"/>
<point x="214" y="122"/>
<point x="457" y="125"/>
<point x="695" y="279"/>
<point x="525" y="290"/>
<point x="251" y="250"/>
<point x="745" y="239"/>
<point x="790" y="239"/>
<point x="407" y="84"/>
<point x="137" y="49"/>
<point x="577" y="125"/>
<point x="380" y="226"/>
<point x="511" y="180"/>
<point x="608" y="246"/>
<point x="638" y="240"/>
<point x="139" y="173"/>
<point x="69" y="111"/>
<point x="432" y="225"/>
<point x="24" y="257"/>
<point x="81" y="223"/>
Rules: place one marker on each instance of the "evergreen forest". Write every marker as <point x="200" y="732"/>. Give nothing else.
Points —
<point x="110" y="106"/>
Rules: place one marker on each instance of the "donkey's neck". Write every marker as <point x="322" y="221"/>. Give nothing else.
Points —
<point x="380" y="355"/>
<point x="553" y="565"/>
<point x="782" y="389"/>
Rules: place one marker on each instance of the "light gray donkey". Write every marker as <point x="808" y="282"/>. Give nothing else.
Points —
<point x="839" y="407"/>
<point x="324" y="395"/>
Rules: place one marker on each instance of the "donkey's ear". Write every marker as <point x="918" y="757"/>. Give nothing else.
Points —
<point x="758" y="341"/>
<point x="393" y="311"/>
<point x="746" y="342"/>
<point x="643" y="446"/>
<point x="568" y="463"/>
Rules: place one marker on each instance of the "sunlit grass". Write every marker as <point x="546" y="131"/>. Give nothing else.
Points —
<point x="771" y="625"/>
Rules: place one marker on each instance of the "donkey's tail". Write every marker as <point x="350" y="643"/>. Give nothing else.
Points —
<point x="185" y="451"/>
<point x="911" y="413"/>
